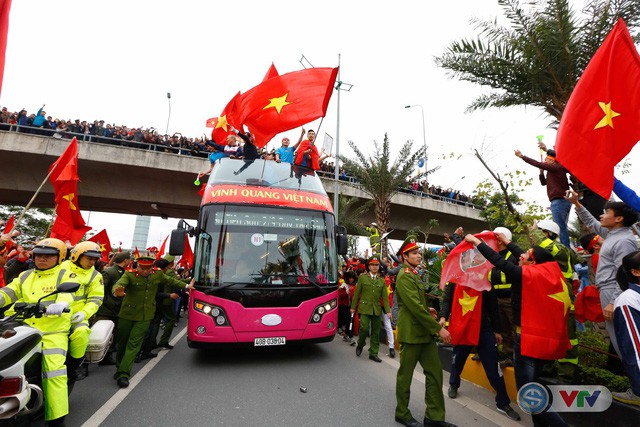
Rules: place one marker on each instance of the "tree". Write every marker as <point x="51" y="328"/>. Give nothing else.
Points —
<point x="349" y="214"/>
<point x="538" y="60"/>
<point x="35" y="224"/>
<point x="380" y="178"/>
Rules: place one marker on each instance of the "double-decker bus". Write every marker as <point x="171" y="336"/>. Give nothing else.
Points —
<point x="265" y="258"/>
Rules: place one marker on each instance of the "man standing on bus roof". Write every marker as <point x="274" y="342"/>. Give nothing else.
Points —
<point x="307" y="154"/>
<point x="416" y="334"/>
<point x="285" y="152"/>
<point x="370" y="290"/>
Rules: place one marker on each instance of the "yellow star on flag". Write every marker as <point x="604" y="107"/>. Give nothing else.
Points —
<point x="563" y="296"/>
<point x="69" y="198"/>
<point x="609" y="114"/>
<point x="467" y="303"/>
<point x="222" y="123"/>
<point x="103" y="247"/>
<point x="278" y="103"/>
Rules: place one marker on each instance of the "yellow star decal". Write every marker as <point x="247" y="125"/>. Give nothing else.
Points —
<point x="222" y="123"/>
<point x="467" y="303"/>
<point x="69" y="198"/>
<point x="609" y="114"/>
<point x="563" y="296"/>
<point x="278" y="103"/>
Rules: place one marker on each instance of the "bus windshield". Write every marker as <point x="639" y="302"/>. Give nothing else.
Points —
<point x="241" y="247"/>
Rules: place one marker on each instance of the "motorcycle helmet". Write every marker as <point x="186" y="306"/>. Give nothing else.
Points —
<point x="51" y="246"/>
<point x="90" y="249"/>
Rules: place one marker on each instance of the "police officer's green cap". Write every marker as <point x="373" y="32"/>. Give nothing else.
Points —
<point x="121" y="256"/>
<point x="375" y="259"/>
<point x="409" y="244"/>
<point x="145" y="261"/>
<point x="169" y="257"/>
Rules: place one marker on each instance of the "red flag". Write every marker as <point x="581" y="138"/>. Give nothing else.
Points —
<point x="9" y="225"/>
<point x="211" y="123"/>
<point x="202" y="188"/>
<point x="588" y="305"/>
<point x="162" y="247"/>
<point x="466" y="316"/>
<point x="186" y="261"/>
<point x="66" y="167"/>
<point x="102" y="239"/>
<point x="271" y="72"/>
<point x="287" y="101"/>
<point x="599" y="125"/>
<point x="466" y="265"/>
<point x="545" y="307"/>
<point x="5" y="8"/>
<point x="228" y="117"/>
<point x="136" y="253"/>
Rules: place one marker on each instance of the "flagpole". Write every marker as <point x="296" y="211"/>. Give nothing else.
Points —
<point x="336" y="188"/>
<point x="15" y="225"/>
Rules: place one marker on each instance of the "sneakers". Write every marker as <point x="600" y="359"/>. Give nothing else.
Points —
<point x="509" y="412"/>
<point x="452" y="392"/>
<point x="628" y="397"/>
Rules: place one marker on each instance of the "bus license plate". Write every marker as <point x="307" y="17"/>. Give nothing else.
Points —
<point x="259" y="342"/>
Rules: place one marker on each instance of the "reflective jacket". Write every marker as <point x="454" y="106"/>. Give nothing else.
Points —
<point x="91" y="293"/>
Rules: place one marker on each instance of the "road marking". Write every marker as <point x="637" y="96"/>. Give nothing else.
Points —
<point x="111" y="404"/>
<point x="490" y="414"/>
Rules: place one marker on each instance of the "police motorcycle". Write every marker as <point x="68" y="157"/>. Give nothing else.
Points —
<point x="21" y="395"/>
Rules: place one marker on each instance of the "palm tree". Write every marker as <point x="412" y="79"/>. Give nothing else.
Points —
<point x="349" y="214"/>
<point x="380" y="178"/>
<point x="538" y="60"/>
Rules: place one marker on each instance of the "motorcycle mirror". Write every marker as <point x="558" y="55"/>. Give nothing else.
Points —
<point x="68" y="287"/>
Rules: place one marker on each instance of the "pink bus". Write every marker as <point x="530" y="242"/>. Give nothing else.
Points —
<point x="265" y="257"/>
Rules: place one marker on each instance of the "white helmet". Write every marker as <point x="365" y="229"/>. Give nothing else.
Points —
<point x="374" y="224"/>
<point x="505" y="231"/>
<point x="548" y="225"/>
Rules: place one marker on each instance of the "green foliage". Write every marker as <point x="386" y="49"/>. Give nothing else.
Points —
<point x="588" y="357"/>
<point x="349" y="214"/>
<point x="599" y="376"/>
<point x="34" y="225"/>
<point x="538" y="59"/>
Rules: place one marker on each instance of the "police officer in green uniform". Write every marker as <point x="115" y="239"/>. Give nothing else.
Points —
<point x="417" y="330"/>
<point x="370" y="289"/>
<point x="138" y="308"/>
<point x="545" y="234"/>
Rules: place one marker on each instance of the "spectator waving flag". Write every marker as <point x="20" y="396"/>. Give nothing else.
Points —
<point x="63" y="174"/>
<point x="286" y="101"/>
<point x="102" y="239"/>
<point x="601" y="122"/>
<point x="466" y="266"/>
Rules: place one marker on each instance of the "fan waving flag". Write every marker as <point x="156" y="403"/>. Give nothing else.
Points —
<point x="63" y="174"/>
<point x="466" y="265"/>
<point x="466" y="315"/>
<point x="287" y="101"/>
<point x="102" y="239"/>
<point x="601" y="122"/>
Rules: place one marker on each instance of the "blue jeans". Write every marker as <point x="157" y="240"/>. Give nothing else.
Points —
<point x="560" y="209"/>
<point x="488" y="351"/>
<point x="527" y="369"/>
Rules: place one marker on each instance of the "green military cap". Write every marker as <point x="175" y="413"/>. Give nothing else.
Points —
<point x="408" y="245"/>
<point x="169" y="257"/>
<point x="374" y="259"/>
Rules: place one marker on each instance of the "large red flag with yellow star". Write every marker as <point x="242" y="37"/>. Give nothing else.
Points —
<point x="545" y="307"/>
<point x="466" y="315"/>
<point x="63" y="174"/>
<point x="285" y="102"/>
<point x="601" y="122"/>
<point x="102" y="239"/>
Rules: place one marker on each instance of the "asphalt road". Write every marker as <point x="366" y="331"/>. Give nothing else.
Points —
<point x="262" y="387"/>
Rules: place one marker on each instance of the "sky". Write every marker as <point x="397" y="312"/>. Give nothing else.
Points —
<point x="116" y="61"/>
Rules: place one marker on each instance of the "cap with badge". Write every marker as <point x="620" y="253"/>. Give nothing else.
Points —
<point x="374" y="259"/>
<point x="145" y="261"/>
<point x="409" y="244"/>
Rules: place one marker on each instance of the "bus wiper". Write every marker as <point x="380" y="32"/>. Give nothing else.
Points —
<point x="314" y="284"/>
<point x="227" y="285"/>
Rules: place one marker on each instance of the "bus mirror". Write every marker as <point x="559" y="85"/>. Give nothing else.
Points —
<point x="176" y="245"/>
<point x="342" y="243"/>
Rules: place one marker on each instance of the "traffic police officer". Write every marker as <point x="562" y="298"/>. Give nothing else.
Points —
<point x="86" y="302"/>
<point x="417" y="329"/>
<point x="138" y="308"/>
<point x="370" y="289"/>
<point x="29" y="287"/>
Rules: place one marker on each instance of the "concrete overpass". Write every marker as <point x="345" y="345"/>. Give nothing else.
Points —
<point x="142" y="182"/>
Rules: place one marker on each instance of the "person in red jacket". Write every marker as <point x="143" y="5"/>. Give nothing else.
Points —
<point x="307" y="154"/>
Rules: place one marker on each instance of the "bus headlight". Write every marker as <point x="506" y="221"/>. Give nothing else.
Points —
<point x="323" y="309"/>
<point x="217" y="313"/>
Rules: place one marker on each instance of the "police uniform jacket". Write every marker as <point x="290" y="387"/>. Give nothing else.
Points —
<point x="368" y="294"/>
<point x="415" y="324"/>
<point x="139" y="302"/>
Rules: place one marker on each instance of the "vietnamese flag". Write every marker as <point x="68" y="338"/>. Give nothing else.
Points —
<point x="587" y="305"/>
<point x="545" y="307"/>
<point x="287" y="101"/>
<point x="466" y="315"/>
<point x="271" y="72"/>
<point x="66" y="167"/>
<point x="601" y="122"/>
<point x="102" y="239"/>
<point x="162" y="248"/>
<point x="186" y="261"/>
<point x="465" y="264"/>
<point x="211" y="123"/>
<point x="228" y="117"/>
<point x="9" y="225"/>
<point x="136" y="253"/>
<point x="5" y="8"/>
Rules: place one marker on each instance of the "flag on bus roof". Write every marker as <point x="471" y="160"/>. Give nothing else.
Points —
<point x="601" y="122"/>
<point x="228" y="117"/>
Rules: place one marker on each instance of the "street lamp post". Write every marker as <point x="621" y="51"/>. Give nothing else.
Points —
<point x="424" y="136"/>
<point x="166" y="131"/>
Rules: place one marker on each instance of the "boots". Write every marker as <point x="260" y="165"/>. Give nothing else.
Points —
<point x="75" y="370"/>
